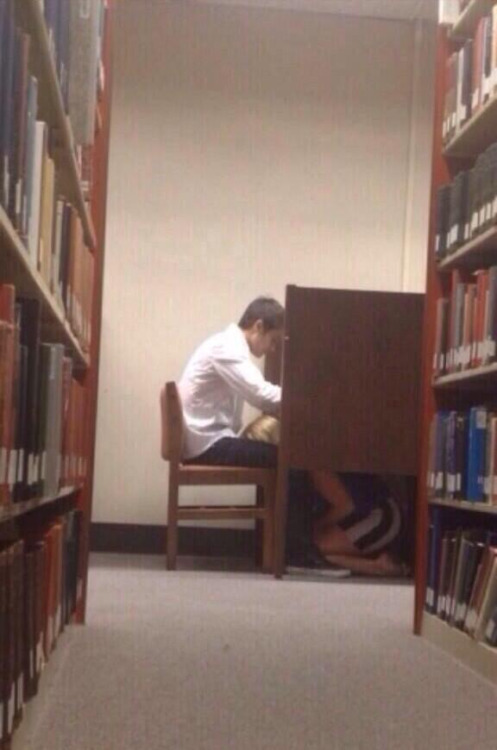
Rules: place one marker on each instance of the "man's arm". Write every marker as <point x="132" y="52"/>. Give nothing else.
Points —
<point x="246" y="379"/>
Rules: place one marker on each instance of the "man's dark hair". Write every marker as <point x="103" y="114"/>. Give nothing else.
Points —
<point x="266" y="309"/>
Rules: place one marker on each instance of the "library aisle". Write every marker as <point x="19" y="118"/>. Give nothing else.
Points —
<point x="233" y="660"/>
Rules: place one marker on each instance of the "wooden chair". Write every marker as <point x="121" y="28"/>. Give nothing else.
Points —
<point x="197" y="475"/>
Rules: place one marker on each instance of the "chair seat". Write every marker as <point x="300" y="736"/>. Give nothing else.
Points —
<point x="221" y="512"/>
<point x="193" y="474"/>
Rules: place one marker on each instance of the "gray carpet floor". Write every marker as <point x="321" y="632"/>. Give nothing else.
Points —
<point x="217" y="660"/>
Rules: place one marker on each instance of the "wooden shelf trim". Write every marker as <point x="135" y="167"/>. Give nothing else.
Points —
<point x="474" y="374"/>
<point x="477" y="656"/>
<point x="477" y="134"/>
<point x="31" y="283"/>
<point x="473" y="252"/>
<point x="479" y="507"/>
<point x="465" y="26"/>
<point x="55" y="113"/>
<point x="15" y="510"/>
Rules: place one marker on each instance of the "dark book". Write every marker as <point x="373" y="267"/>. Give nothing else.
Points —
<point x="440" y="454"/>
<point x="20" y="479"/>
<point x="491" y="629"/>
<point x="450" y="455"/>
<point x="442" y="220"/>
<point x="30" y="338"/>
<point x="41" y="432"/>
<point x="9" y="654"/>
<point x="467" y="73"/>
<point x="433" y="573"/>
<point x="6" y="105"/>
<point x="29" y="633"/>
<point x="487" y="58"/>
<point x="19" y="641"/>
<point x="7" y="364"/>
<point x="446" y="561"/>
<point x="29" y="158"/>
<point x="453" y="574"/>
<point x="18" y="146"/>
<point x="472" y="546"/>
<point x="15" y="396"/>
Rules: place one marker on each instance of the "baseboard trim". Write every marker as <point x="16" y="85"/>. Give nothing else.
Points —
<point x="151" y="540"/>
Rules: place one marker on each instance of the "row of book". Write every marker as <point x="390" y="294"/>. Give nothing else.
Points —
<point x="75" y="32"/>
<point x="42" y="407"/>
<point x="467" y="206"/>
<point x="462" y="578"/>
<point x="30" y="189"/>
<point x="471" y="77"/>
<point x="38" y="595"/>
<point x="463" y="455"/>
<point x="466" y="323"/>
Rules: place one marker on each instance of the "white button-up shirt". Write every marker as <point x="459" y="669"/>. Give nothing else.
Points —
<point x="219" y="377"/>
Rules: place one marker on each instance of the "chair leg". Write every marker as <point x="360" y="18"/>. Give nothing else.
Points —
<point x="268" y="529"/>
<point x="259" y="527"/>
<point x="172" y="524"/>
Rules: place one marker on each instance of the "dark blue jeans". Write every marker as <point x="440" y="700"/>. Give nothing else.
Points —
<point x="304" y="503"/>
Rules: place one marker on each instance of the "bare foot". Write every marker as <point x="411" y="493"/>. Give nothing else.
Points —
<point x="383" y="565"/>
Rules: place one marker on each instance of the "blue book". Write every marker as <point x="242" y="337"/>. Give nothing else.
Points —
<point x="476" y="454"/>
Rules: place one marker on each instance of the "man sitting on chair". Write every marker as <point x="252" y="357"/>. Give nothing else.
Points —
<point x="218" y="378"/>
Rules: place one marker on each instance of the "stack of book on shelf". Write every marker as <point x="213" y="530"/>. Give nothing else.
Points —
<point x="471" y="79"/>
<point x="456" y="576"/>
<point x="42" y="407"/>
<point x="467" y="206"/>
<point x="53" y="101"/>
<point x="31" y="190"/>
<point x="463" y="456"/>
<point x="466" y="323"/>
<point x="462" y="578"/>
<point x="38" y="594"/>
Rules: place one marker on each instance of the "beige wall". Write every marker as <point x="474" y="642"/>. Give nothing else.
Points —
<point x="250" y="149"/>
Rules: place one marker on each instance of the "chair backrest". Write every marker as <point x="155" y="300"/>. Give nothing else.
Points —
<point x="172" y="424"/>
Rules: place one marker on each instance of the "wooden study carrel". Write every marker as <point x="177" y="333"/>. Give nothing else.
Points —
<point x="350" y="377"/>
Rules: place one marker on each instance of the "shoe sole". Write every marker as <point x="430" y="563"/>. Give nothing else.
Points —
<point x="322" y="572"/>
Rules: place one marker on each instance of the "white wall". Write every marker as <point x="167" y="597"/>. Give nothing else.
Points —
<point x="250" y="149"/>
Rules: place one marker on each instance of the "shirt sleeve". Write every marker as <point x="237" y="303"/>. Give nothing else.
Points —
<point x="246" y="379"/>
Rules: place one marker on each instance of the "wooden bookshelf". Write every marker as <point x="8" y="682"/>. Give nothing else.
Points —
<point x="477" y="134"/>
<point x="490" y="510"/>
<point x="27" y="518"/>
<point x="458" y="391"/>
<point x="478" y="656"/>
<point x="18" y="268"/>
<point x="51" y="109"/>
<point x="480" y="251"/>
<point x="474" y="376"/>
<point x="466" y="23"/>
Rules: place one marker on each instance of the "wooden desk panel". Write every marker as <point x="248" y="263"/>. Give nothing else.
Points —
<point x="351" y="380"/>
<point x="351" y="375"/>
